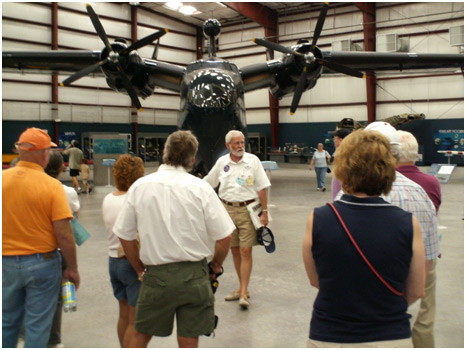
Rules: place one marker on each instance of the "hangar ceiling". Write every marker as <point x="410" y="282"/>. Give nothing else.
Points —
<point x="224" y="14"/>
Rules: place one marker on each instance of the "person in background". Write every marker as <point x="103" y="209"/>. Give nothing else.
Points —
<point x="242" y="180"/>
<point x="354" y="308"/>
<point x="74" y="161"/>
<point x="182" y="226"/>
<point x="423" y="329"/>
<point x="338" y="136"/>
<point x="408" y="155"/>
<point x="85" y="172"/>
<point x="123" y="277"/>
<point x="35" y="222"/>
<point x="319" y="162"/>
<point x="54" y="169"/>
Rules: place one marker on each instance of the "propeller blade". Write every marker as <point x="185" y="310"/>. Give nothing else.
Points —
<point x="299" y="90"/>
<point x="98" y="27"/>
<point x="129" y="88"/>
<point x="156" y="48"/>
<point x="341" y="69"/>
<point x="274" y="46"/>
<point x="319" y="25"/>
<point x="82" y="73"/>
<point x="144" y="41"/>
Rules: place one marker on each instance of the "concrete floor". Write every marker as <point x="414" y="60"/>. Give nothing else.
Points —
<point x="281" y="296"/>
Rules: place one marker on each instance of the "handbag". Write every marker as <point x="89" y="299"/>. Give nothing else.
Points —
<point x="79" y="232"/>
<point x="393" y="290"/>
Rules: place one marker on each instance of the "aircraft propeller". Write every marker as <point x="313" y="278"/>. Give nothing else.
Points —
<point x="113" y="56"/>
<point x="309" y="58"/>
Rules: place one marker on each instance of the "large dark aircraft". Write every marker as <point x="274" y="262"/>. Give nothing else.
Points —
<point x="212" y="90"/>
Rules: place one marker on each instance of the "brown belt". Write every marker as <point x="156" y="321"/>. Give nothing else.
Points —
<point x="238" y="204"/>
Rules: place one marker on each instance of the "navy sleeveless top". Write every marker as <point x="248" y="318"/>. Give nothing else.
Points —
<point x="353" y="305"/>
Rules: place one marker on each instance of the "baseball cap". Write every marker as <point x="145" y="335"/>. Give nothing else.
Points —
<point x="387" y="130"/>
<point x="36" y="137"/>
<point x="341" y="133"/>
<point x="265" y="238"/>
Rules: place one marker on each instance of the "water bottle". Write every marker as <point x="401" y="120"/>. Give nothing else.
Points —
<point x="69" y="296"/>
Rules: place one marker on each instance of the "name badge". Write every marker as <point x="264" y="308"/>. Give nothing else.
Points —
<point x="250" y="181"/>
<point x="240" y="181"/>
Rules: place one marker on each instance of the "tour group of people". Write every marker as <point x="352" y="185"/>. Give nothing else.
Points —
<point x="371" y="253"/>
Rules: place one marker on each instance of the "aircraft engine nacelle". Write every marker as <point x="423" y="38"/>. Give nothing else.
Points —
<point x="287" y="79"/>
<point x="131" y="66"/>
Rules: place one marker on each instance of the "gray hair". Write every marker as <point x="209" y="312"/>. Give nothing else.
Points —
<point x="396" y="149"/>
<point x="231" y="134"/>
<point x="409" y="147"/>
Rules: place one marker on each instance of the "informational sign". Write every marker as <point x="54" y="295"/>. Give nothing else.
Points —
<point x="442" y="172"/>
<point x="108" y="162"/>
<point x="65" y="138"/>
<point x="449" y="140"/>
<point x="110" y="146"/>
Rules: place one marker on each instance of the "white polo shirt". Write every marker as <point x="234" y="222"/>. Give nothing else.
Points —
<point x="178" y="216"/>
<point x="238" y="181"/>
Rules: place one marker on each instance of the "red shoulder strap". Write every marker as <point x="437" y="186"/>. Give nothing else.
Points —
<point x="362" y="254"/>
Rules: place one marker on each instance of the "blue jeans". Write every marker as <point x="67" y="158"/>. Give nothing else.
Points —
<point x="321" y="172"/>
<point x="30" y="285"/>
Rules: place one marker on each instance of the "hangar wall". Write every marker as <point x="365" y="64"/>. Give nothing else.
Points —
<point x="90" y="105"/>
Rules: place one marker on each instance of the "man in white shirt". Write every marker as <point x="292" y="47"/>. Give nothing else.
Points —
<point x="180" y="220"/>
<point x="242" y="181"/>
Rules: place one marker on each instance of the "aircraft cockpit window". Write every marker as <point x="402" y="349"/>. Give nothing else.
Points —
<point x="212" y="89"/>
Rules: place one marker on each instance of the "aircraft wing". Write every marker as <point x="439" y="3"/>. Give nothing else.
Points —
<point x="382" y="61"/>
<point x="49" y="61"/>
<point x="161" y="74"/>
<point x="282" y="76"/>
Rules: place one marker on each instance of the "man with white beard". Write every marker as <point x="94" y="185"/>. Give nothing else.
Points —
<point x="242" y="181"/>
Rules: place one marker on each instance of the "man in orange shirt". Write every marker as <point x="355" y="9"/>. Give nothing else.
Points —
<point x="36" y="221"/>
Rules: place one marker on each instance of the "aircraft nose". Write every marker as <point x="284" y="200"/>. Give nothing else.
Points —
<point x="212" y="89"/>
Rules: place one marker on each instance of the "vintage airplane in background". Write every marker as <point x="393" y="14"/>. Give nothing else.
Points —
<point x="212" y="90"/>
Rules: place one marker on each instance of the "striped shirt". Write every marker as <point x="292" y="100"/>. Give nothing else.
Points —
<point x="411" y="197"/>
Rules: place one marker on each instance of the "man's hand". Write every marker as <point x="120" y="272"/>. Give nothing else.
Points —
<point x="264" y="218"/>
<point x="215" y="270"/>
<point x="72" y="276"/>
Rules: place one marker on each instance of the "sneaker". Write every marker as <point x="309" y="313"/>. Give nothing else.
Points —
<point x="318" y="188"/>
<point x="244" y="303"/>
<point x="59" y="345"/>
<point x="79" y="190"/>
<point x="323" y="189"/>
<point x="233" y="296"/>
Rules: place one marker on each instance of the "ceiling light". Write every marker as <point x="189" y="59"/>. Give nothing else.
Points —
<point x="188" y="10"/>
<point x="185" y="10"/>
<point x="174" y="5"/>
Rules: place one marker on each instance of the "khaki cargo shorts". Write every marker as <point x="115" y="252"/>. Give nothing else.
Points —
<point x="245" y="234"/>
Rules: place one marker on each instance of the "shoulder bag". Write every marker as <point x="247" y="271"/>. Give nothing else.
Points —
<point x="393" y="290"/>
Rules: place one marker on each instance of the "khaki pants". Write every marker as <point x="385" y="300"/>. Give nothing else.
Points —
<point x="401" y="343"/>
<point x="423" y="329"/>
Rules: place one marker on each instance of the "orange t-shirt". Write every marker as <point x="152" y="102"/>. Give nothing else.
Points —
<point x="31" y="202"/>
